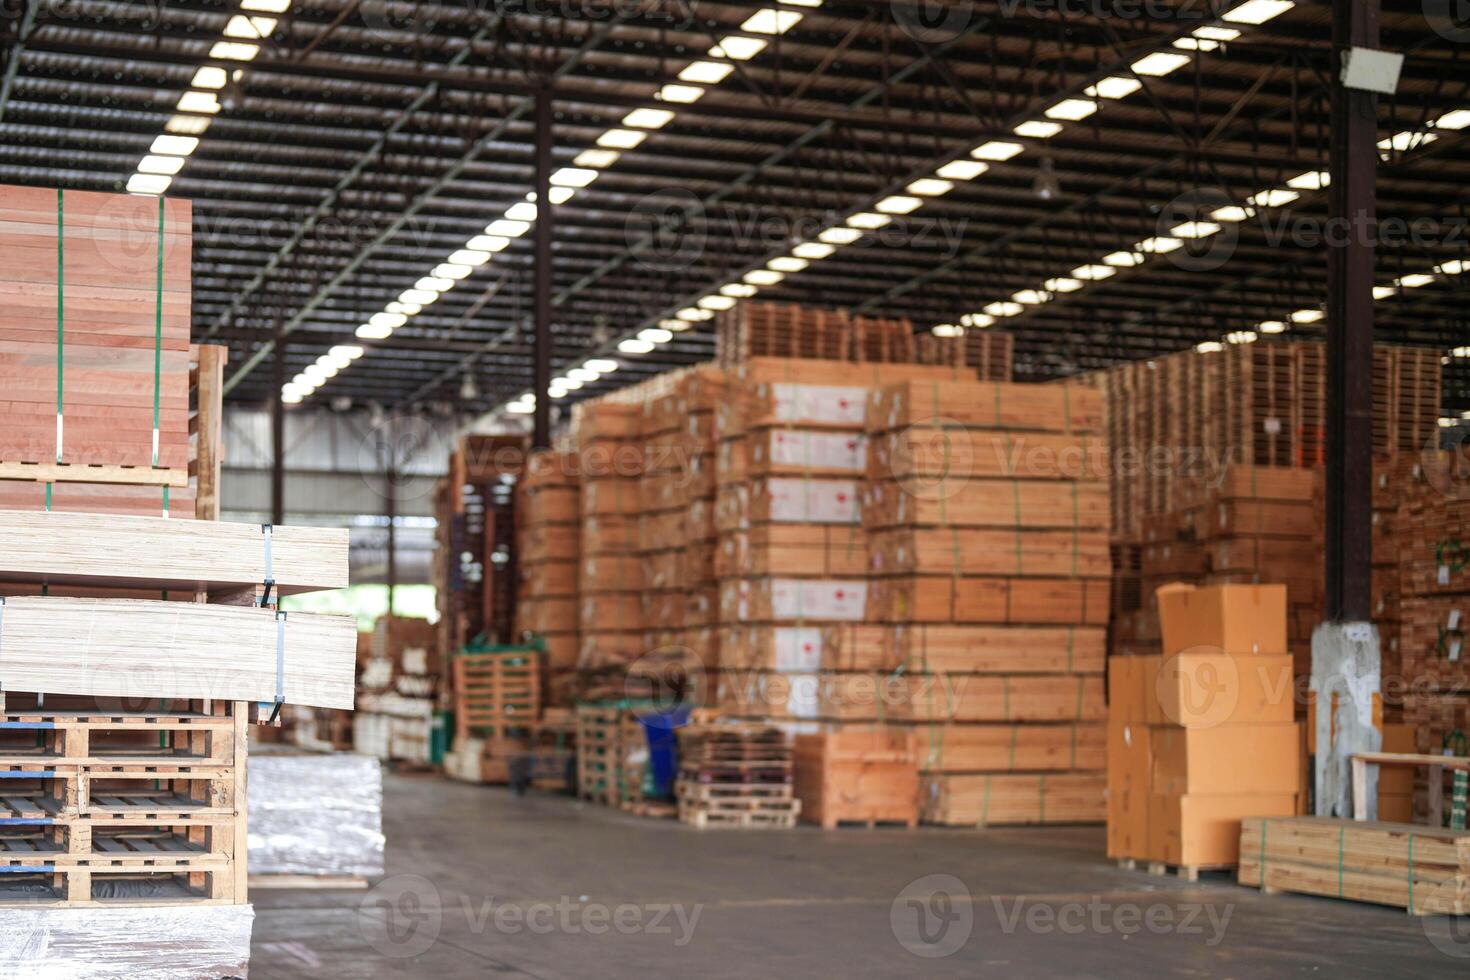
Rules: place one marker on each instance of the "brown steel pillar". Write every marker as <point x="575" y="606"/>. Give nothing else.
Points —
<point x="1350" y="270"/>
<point x="278" y="431"/>
<point x="541" y="342"/>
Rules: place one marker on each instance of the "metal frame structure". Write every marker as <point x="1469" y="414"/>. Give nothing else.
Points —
<point x="371" y="137"/>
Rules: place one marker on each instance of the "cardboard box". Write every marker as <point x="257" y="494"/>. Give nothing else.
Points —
<point x="1204" y="830"/>
<point x="1130" y="687"/>
<point x="1230" y="759"/>
<point x="1243" y="619"/>
<point x="1129" y="767"/>
<point x="1205" y="690"/>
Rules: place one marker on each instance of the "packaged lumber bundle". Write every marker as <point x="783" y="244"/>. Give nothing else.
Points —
<point x="108" y="647"/>
<point x="159" y="942"/>
<point x="1432" y="524"/>
<point x="983" y="800"/>
<point x="781" y="330"/>
<point x="1205" y="734"/>
<point x="610" y="604"/>
<point x="398" y="688"/>
<point x="318" y="816"/>
<point x="857" y="777"/>
<point x="735" y="776"/>
<point x="548" y="562"/>
<point x="1021" y="747"/>
<point x="1424" y="870"/>
<point x="95" y="344"/>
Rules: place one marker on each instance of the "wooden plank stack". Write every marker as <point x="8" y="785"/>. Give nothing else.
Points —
<point x="735" y="776"/>
<point x="1424" y="870"/>
<point x="548" y="562"/>
<point x="610" y="589"/>
<point x="994" y="486"/>
<point x="1203" y="736"/>
<point x="866" y="778"/>
<point x="398" y="691"/>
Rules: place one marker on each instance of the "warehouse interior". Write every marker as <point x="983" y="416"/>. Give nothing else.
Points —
<point x="724" y="485"/>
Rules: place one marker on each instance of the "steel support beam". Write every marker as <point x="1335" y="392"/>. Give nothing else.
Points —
<point x="390" y="499"/>
<point x="1350" y="270"/>
<point x="278" y="433"/>
<point x="541" y="339"/>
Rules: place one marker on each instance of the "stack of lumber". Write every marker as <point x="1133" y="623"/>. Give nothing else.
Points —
<point x="610" y="589"/>
<point x="735" y="776"/>
<point x="1262" y="404"/>
<point x="994" y="490"/>
<point x="697" y="445"/>
<point x="398" y="690"/>
<point x="662" y="510"/>
<point x="1424" y="870"/>
<point x="547" y="559"/>
<point x="1433" y="523"/>
<point x="95" y="351"/>
<point x="474" y="572"/>
<point x="858" y="777"/>
<point x="793" y="554"/>
<point x="1204" y="735"/>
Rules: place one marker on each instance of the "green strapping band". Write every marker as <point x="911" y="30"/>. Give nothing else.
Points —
<point x="1341" y="834"/>
<point x="1411" y="873"/>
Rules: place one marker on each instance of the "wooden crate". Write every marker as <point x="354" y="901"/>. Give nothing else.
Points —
<point x="858" y="777"/>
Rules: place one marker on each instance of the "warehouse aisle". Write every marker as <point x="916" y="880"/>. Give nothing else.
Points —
<point x="483" y="882"/>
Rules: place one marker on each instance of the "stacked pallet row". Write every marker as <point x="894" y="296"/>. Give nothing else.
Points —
<point x="987" y="512"/>
<point x="610" y="587"/>
<point x="548" y="553"/>
<point x="1177" y="418"/>
<point x="990" y="353"/>
<point x="497" y="703"/>
<point x="735" y="776"/>
<point x="1434" y="526"/>
<point x="1203" y="735"/>
<point x="793" y="555"/>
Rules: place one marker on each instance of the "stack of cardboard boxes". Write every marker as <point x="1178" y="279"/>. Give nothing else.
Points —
<point x="1202" y="736"/>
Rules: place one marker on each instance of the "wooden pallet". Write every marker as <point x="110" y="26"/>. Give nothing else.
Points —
<point x="495" y="692"/>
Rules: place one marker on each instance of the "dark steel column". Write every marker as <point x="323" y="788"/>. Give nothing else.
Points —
<point x="541" y="343"/>
<point x="278" y="431"/>
<point x="390" y="499"/>
<point x="1350" y="271"/>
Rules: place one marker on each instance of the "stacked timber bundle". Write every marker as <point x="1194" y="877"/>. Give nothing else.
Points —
<point x="398" y="691"/>
<point x="698" y="445"/>
<point x="987" y="515"/>
<point x="858" y="777"/>
<point x="735" y="776"/>
<point x="138" y="651"/>
<point x="610" y="589"/>
<point x="662" y="511"/>
<point x="1434" y="538"/>
<point x="1424" y="870"/>
<point x="548" y="562"/>
<point x="792" y="553"/>
<point x="1203" y="736"/>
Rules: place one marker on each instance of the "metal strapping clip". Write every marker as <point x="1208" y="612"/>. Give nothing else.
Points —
<point x="270" y="575"/>
<point x="280" y="665"/>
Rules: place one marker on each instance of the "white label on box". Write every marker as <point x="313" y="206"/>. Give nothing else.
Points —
<point x="1454" y="620"/>
<point x="822" y="404"/>
<point x="820" y="450"/>
<point x="1455" y="648"/>
<point x="1444" y="575"/>
<point x="802" y="700"/>
<point x="798" y="501"/>
<point x="841" y="600"/>
<point x="798" y="650"/>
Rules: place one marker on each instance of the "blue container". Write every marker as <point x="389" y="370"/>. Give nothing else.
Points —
<point x="663" y="747"/>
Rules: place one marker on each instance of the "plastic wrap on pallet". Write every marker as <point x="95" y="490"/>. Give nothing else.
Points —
<point x="176" y="942"/>
<point x="316" y="815"/>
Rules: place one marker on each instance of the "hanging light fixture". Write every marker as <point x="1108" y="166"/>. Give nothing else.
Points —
<point x="1047" y="186"/>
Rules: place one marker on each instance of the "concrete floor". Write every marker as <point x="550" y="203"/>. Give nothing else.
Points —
<point x="481" y="882"/>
